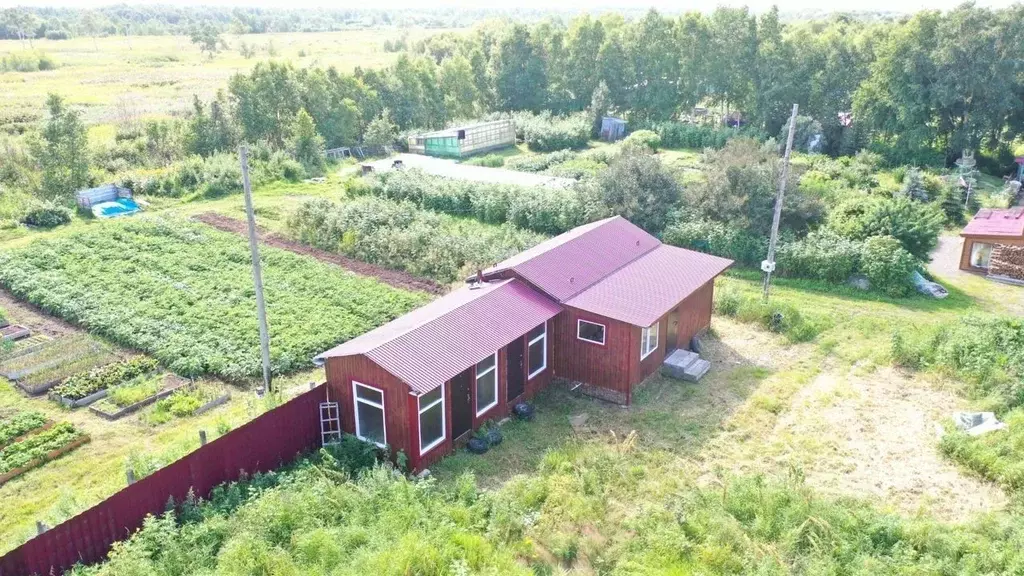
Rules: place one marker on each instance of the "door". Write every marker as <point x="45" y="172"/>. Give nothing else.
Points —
<point x="462" y="403"/>
<point x="672" y="341"/>
<point x="516" y="371"/>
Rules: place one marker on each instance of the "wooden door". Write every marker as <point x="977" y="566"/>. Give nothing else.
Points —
<point x="462" y="403"/>
<point x="672" y="340"/>
<point x="516" y="370"/>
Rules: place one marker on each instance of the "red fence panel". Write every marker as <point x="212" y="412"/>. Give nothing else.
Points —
<point x="263" y="444"/>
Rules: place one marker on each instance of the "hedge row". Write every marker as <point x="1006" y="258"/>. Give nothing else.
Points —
<point x="687" y="135"/>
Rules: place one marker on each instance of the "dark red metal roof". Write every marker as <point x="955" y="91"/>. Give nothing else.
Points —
<point x="574" y="261"/>
<point x="649" y="287"/>
<point x="994" y="222"/>
<point x="435" y="342"/>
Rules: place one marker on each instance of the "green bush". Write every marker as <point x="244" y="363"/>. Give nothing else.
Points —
<point x="644" y="139"/>
<point x="821" y="255"/>
<point x="687" y="135"/>
<point x="27" y="61"/>
<point x="772" y="316"/>
<point x="539" y="162"/>
<point x="488" y="161"/>
<point x="717" y="238"/>
<point x="888" y="266"/>
<point x="399" y="235"/>
<point x="214" y="176"/>
<point x="914" y="224"/>
<point x="547" y="133"/>
<point x="47" y="216"/>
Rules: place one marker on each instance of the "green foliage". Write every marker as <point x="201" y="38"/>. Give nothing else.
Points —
<point x="62" y="152"/>
<point x="206" y="36"/>
<point x="81" y="385"/>
<point x="888" y="266"/>
<point x="541" y="208"/>
<point x="997" y="456"/>
<point x="307" y="145"/>
<point x="644" y="139"/>
<point x="181" y="404"/>
<point x="215" y="176"/>
<point x="822" y="255"/>
<point x="27" y="61"/>
<point x="700" y="136"/>
<point x="951" y="202"/>
<point x="208" y="133"/>
<point x="19" y="424"/>
<point x="539" y="162"/>
<point x="915" y="225"/>
<point x="638" y="187"/>
<point x="547" y="133"/>
<point x="132" y="391"/>
<point x="717" y="238"/>
<point x="47" y="216"/>
<point x="772" y="316"/>
<point x="489" y="161"/>
<point x="381" y="131"/>
<point x="403" y="237"/>
<point x="914" y="186"/>
<point x="739" y="188"/>
<point x="190" y="303"/>
<point x="37" y="446"/>
<point x="808" y="136"/>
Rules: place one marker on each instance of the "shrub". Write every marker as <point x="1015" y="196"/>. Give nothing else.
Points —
<point x="638" y="187"/>
<point x="47" y="216"/>
<point x="546" y="133"/>
<point x="644" y="139"/>
<point x="822" y="255"/>
<point x="888" y="266"/>
<point x="997" y="456"/>
<point x="539" y="162"/>
<point x="719" y="239"/>
<point x="915" y="225"/>
<point x="488" y="161"/>
<point x="688" y="135"/>
<point x="27" y="61"/>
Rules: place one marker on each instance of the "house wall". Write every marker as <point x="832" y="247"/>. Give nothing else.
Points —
<point x="604" y="366"/>
<point x="965" y="253"/>
<point x="402" y="408"/>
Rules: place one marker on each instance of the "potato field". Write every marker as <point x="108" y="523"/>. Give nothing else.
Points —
<point x="183" y="293"/>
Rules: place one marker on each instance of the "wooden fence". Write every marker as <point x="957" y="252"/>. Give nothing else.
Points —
<point x="266" y="442"/>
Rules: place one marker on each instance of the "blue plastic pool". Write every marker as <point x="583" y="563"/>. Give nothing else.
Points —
<point x="119" y="207"/>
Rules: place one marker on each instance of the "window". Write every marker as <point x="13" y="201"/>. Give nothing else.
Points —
<point x="648" y="340"/>
<point x="537" y="349"/>
<point x="369" y="408"/>
<point x="590" y="332"/>
<point x="432" y="426"/>
<point x="981" y="254"/>
<point x="486" y="384"/>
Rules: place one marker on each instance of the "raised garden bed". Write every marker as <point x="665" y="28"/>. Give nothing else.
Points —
<point x="37" y="449"/>
<point x="87" y="387"/>
<point x="186" y="402"/>
<point x="20" y="425"/>
<point x="121" y="400"/>
<point x="14" y="332"/>
<point x="42" y="381"/>
<point x="217" y="401"/>
<point x="33" y="343"/>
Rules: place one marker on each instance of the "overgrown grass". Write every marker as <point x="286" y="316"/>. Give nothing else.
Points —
<point x="997" y="456"/>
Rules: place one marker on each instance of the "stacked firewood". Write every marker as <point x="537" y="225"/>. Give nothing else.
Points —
<point x="1008" y="261"/>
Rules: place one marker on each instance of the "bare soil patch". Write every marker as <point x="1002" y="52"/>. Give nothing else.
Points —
<point x="392" y="277"/>
<point x="33" y="318"/>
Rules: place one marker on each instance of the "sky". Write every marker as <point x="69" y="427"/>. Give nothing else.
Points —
<point x="588" y="5"/>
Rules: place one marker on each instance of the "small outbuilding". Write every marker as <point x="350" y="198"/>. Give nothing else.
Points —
<point x="463" y="141"/>
<point x="612" y="129"/>
<point x="599" y="307"/>
<point x="89" y="197"/>
<point x="986" y="234"/>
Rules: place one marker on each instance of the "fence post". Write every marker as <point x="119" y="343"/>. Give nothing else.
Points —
<point x="40" y="527"/>
<point x="202" y="437"/>
<point x="131" y="476"/>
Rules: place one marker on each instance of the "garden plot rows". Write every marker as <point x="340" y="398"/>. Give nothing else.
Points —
<point x="29" y="440"/>
<point x="182" y="292"/>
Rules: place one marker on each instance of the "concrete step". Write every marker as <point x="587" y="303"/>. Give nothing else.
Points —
<point x="697" y="370"/>
<point x="679" y="363"/>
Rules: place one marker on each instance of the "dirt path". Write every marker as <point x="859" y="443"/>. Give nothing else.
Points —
<point x="33" y="318"/>
<point x="388" y="276"/>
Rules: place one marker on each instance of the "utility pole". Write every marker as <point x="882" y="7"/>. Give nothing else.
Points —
<point x="768" y="266"/>
<point x="257" y="273"/>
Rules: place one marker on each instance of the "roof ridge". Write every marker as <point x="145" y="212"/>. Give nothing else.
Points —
<point x="624" y="264"/>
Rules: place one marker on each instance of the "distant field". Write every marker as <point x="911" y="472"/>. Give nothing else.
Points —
<point x="157" y="75"/>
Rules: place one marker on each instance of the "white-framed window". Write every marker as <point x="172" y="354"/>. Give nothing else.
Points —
<point x="537" y="349"/>
<point x="648" y="340"/>
<point x="590" y="332"/>
<point x="432" y="424"/>
<point x="487" y="384"/>
<point x="981" y="254"/>
<point x="368" y="403"/>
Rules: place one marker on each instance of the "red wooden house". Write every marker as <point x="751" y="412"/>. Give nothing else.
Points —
<point x="600" y="305"/>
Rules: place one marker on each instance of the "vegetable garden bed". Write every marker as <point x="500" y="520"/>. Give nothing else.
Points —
<point x="20" y="425"/>
<point x="14" y="332"/>
<point x="123" y="400"/>
<point x="25" y="346"/>
<point x="87" y="387"/>
<point x="41" y="381"/>
<point x="187" y="401"/>
<point x="38" y="449"/>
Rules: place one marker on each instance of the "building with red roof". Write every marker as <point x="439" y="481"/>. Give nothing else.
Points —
<point x="989" y="229"/>
<point x="600" y="306"/>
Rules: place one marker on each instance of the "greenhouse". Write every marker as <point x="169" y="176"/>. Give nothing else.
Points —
<point x="463" y="141"/>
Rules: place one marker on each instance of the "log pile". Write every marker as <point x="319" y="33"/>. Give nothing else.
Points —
<point x="1007" y="261"/>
